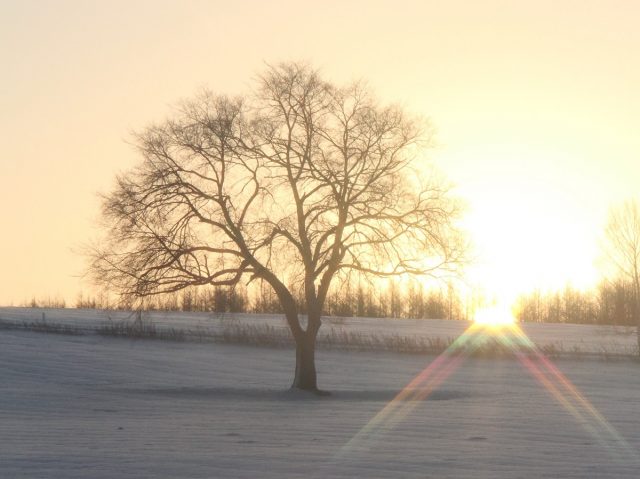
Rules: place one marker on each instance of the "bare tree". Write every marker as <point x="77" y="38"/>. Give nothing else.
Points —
<point x="297" y="184"/>
<point x="623" y="249"/>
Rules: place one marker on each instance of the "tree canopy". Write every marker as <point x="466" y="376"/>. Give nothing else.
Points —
<point x="295" y="184"/>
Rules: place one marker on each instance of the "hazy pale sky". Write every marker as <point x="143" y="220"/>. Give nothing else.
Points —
<point x="536" y="104"/>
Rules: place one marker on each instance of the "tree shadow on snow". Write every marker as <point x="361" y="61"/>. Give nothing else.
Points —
<point x="258" y="394"/>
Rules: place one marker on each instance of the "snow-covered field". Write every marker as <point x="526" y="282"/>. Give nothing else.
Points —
<point x="565" y="337"/>
<point x="96" y="407"/>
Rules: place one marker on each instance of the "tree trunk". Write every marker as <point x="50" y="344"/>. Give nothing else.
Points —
<point x="305" y="376"/>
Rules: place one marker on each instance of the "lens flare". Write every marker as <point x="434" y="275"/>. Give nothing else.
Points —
<point x="493" y="324"/>
<point x="418" y="389"/>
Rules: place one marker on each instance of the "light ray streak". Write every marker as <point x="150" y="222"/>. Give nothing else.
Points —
<point x="539" y="366"/>
<point x="419" y="388"/>
<point x="568" y="395"/>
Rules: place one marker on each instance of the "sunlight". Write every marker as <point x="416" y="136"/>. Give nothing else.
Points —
<point x="539" y="202"/>
<point x="492" y="322"/>
<point x="495" y="316"/>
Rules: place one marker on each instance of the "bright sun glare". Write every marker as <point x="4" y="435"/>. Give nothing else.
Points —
<point x="495" y="316"/>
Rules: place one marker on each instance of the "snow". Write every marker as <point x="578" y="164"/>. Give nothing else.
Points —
<point x="91" y="406"/>
<point x="566" y="337"/>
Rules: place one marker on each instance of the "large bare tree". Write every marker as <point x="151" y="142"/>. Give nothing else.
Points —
<point x="297" y="184"/>
<point x="622" y="247"/>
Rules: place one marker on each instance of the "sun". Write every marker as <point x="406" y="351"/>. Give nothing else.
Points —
<point x="495" y="316"/>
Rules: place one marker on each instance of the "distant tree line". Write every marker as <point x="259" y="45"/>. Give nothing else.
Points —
<point x="393" y="300"/>
<point x="610" y="303"/>
<point x="616" y="300"/>
<point x="396" y="300"/>
<point x="48" y="302"/>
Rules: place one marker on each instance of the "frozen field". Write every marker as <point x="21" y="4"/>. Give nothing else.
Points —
<point x="565" y="337"/>
<point x="95" y="407"/>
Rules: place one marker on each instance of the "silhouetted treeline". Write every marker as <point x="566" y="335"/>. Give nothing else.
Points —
<point x="609" y="303"/>
<point x="214" y="299"/>
<point x="394" y="300"/>
<point x="48" y="302"/>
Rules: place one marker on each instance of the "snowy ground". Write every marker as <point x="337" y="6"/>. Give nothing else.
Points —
<point x="565" y="337"/>
<point x="95" y="407"/>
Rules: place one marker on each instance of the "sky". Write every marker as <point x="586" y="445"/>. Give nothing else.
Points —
<point x="536" y="107"/>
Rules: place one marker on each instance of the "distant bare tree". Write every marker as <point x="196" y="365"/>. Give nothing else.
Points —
<point x="296" y="184"/>
<point x="623" y="249"/>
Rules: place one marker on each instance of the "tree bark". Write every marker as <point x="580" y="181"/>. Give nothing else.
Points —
<point x="305" y="375"/>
